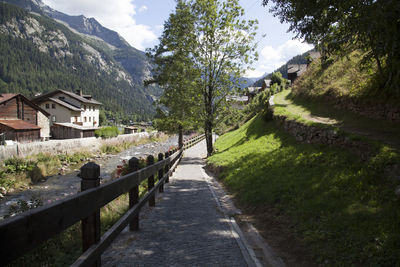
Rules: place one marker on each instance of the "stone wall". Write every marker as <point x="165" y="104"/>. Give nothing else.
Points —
<point x="65" y="146"/>
<point x="318" y="135"/>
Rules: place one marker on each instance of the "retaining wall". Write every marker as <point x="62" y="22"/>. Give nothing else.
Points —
<point x="66" y="145"/>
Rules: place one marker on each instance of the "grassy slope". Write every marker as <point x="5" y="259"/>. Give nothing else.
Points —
<point x="311" y="112"/>
<point x="344" y="209"/>
<point x="347" y="77"/>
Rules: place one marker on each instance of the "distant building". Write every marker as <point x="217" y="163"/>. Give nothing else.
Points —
<point x="266" y="84"/>
<point x="252" y="91"/>
<point x="22" y="120"/>
<point x="237" y="101"/>
<point x="295" y="70"/>
<point x="72" y="115"/>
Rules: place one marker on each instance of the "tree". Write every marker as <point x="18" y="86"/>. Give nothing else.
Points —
<point x="337" y="26"/>
<point x="224" y="46"/>
<point x="175" y="72"/>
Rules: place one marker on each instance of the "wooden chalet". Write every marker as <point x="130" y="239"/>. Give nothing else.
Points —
<point x="21" y="120"/>
<point x="295" y="70"/>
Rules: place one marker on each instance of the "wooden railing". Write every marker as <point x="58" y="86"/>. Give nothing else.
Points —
<point x="28" y="230"/>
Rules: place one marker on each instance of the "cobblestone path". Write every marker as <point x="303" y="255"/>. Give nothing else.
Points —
<point x="186" y="228"/>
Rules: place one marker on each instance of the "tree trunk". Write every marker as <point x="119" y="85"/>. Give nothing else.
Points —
<point x="208" y="134"/>
<point x="180" y="136"/>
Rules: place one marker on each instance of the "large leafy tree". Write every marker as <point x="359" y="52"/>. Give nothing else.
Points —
<point x="174" y="70"/>
<point x="224" y="47"/>
<point x="337" y="26"/>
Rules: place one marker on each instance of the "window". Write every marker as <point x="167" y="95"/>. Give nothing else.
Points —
<point x="84" y="119"/>
<point x="84" y="107"/>
<point x="53" y="118"/>
<point x="90" y="119"/>
<point x="53" y="106"/>
<point x="47" y="106"/>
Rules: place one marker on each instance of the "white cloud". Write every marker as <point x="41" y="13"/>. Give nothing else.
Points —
<point x="272" y="58"/>
<point x="115" y="15"/>
<point x="142" y="8"/>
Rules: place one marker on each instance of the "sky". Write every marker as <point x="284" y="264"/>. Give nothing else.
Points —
<point x="140" y="22"/>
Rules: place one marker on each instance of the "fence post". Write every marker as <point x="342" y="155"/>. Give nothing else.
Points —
<point x="134" y="194"/>
<point x="161" y="173"/>
<point x="90" y="173"/>
<point x="166" y="167"/>
<point x="150" y="181"/>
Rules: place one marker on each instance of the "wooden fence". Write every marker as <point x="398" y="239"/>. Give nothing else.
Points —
<point x="28" y="230"/>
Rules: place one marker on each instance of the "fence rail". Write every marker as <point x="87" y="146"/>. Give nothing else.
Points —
<point x="28" y="230"/>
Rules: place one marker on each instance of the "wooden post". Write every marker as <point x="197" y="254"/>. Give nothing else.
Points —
<point x="150" y="181"/>
<point x="161" y="172"/>
<point x="134" y="194"/>
<point x="90" y="173"/>
<point x="167" y="167"/>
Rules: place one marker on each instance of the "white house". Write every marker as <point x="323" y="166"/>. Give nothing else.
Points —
<point x="70" y="110"/>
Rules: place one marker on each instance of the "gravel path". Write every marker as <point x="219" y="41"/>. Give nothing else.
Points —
<point x="59" y="186"/>
<point x="186" y="228"/>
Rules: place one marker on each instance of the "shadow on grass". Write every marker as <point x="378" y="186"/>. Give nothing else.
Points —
<point x="339" y="204"/>
<point x="375" y="129"/>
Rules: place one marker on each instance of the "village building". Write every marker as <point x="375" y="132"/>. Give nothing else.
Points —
<point x="72" y="115"/>
<point x="22" y="120"/>
<point x="295" y="70"/>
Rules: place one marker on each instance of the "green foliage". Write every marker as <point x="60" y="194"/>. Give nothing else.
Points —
<point x="342" y="26"/>
<point x="17" y="165"/>
<point x="344" y="209"/>
<point x="107" y="132"/>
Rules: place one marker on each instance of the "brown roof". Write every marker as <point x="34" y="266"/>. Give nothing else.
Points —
<point x="5" y="97"/>
<point x="19" y="125"/>
<point x="65" y="104"/>
<point x="41" y="98"/>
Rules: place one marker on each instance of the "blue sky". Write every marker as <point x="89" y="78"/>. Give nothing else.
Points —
<point x="140" y="23"/>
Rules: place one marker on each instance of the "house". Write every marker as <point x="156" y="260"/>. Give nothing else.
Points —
<point x="252" y="91"/>
<point x="130" y="129"/>
<point x="22" y="120"/>
<point x="266" y="84"/>
<point x="237" y="101"/>
<point x="72" y="115"/>
<point x="295" y="70"/>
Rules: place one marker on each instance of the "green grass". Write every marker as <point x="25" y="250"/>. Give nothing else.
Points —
<point x="319" y="114"/>
<point x="344" y="209"/>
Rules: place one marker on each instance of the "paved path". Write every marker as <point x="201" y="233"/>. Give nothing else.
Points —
<point x="186" y="228"/>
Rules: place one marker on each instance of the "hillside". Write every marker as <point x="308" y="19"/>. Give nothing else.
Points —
<point x="348" y="82"/>
<point x="339" y="208"/>
<point x="39" y="55"/>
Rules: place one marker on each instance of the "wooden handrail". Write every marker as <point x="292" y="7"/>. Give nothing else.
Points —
<point x="27" y="230"/>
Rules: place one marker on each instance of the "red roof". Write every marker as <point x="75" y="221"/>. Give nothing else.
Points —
<point x="19" y="125"/>
<point x="5" y="97"/>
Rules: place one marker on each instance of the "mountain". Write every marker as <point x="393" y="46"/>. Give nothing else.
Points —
<point x="131" y="62"/>
<point x="299" y="59"/>
<point x="39" y="54"/>
<point x="246" y="82"/>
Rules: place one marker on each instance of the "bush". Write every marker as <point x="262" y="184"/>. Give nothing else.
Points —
<point x="18" y="165"/>
<point x="107" y="132"/>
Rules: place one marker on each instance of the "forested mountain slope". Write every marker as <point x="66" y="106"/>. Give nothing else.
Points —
<point x="38" y="55"/>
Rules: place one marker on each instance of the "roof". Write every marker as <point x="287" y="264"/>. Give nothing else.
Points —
<point x="44" y="97"/>
<point x="75" y="126"/>
<point x="65" y="104"/>
<point x="19" y="125"/>
<point x="267" y="83"/>
<point x="299" y="68"/>
<point x="253" y="89"/>
<point x="237" y="98"/>
<point x="6" y="97"/>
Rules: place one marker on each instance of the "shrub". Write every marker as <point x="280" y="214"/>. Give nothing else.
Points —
<point x="107" y="132"/>
<point x="18" y="165"/>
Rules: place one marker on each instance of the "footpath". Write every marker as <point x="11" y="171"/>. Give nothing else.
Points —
<point x="187" y="227"/>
